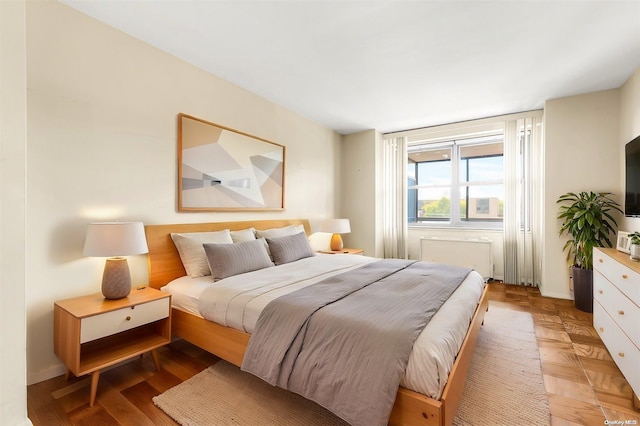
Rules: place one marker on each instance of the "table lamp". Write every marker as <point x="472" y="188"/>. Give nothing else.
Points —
<point x="114" y="240"/>
<point x="336" y="227"/>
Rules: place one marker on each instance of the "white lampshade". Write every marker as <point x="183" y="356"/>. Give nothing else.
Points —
<point x="336" y="226"/>
<point x="107" y="239"/>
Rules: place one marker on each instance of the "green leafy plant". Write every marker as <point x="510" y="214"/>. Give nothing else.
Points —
<point x="586" y="218"/>
<point x="634" y="237"/>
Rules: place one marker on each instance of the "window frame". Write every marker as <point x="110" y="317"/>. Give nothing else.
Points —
<point x="456" y="185"/>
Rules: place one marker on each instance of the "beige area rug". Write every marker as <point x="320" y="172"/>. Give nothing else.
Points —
<point x="504" y="387"/>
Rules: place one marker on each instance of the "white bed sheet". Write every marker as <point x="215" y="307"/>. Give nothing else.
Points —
<point x="237" y="302"/>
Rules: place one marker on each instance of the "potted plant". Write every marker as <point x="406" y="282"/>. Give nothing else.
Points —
<point x="587" y="219"/>
<point x="634" y="248"/>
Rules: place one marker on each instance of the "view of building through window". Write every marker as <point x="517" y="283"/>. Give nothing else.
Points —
<point x="470" y="171"/>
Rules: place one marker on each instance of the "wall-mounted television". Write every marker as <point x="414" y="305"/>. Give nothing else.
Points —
<point x="632" y="187"/>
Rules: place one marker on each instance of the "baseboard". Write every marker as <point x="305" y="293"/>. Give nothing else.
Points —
<point x="556" y="295"/>
<point x="60" y="369"/>
<point x="49" y="373"/>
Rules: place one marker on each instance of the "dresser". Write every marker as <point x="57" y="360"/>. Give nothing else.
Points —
<point x="616" y="310"/>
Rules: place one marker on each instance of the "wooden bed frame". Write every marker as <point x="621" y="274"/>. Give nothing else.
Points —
<point x="410" y="409"/>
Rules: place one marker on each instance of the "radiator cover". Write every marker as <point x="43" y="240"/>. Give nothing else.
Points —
<point x="471" y="253"/>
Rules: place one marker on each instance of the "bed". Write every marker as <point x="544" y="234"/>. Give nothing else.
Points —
<point x="411" y="407"/>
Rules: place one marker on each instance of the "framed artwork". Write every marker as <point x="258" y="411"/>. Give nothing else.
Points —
<point x="623" y="242"/>
<point x="224" y="169"/>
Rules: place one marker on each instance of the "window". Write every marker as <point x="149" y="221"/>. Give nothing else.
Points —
<point x="468" y="171"/>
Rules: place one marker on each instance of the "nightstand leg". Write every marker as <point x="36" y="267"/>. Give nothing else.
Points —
<point x="156" y="361"/>
<point x="67" y="375"/>
<point x="94" y="387"/>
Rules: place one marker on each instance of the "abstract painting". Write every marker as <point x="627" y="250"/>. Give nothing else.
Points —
<point x="224" y="169"/>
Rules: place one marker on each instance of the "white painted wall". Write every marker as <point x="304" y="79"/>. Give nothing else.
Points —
<point x="358" y="190"/>
<point x="13" y="147"/>
<point x="582" y="153"/>
<point x="102" y="110"/>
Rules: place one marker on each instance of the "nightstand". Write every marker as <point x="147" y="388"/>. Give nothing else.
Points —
<point x="344" y="251"/>
<point x="92" y="333"/>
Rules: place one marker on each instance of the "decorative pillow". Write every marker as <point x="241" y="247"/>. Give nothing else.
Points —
<point x="279" y="232"/>
<point x="192" y="253"/>
<point x="290" y="248"/>
<point x="226" y="260"/>
<point x="243" y="235"/>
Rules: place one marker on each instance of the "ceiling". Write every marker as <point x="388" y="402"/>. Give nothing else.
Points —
<point x="393" y="65"/>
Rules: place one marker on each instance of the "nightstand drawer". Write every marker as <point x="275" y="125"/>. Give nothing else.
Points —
<point x="108" y="323"/>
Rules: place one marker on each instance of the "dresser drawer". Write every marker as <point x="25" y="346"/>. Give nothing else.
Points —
<point x="112" y="322"/>
<point x="622" y="310"/>
<point x="624" y="353"/>
<point x="623" y="277"/>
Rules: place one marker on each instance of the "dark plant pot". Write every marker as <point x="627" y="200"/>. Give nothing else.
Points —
<point x="583" y="288"/>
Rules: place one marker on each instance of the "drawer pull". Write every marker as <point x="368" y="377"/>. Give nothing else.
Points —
<point x="620" y="312"/>
<point x="601" y="329"/>
<point x="600" y="291"/>
<point x="128" y="318"/>
<point x="625" y="276"/>
<point x="600" y="260"/>
<point x="621" y="354"/>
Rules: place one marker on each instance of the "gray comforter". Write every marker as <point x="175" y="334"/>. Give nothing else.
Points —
<point x="345" y="341"/>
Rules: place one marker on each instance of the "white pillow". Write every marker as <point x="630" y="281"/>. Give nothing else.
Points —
<point x="279" y="232"/>
<point x="192" y="253"/>
<point x="243" y="235"/>
<point x="285" y="231"/>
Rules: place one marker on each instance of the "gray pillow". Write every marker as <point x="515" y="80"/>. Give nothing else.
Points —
<point x="290" y="248"/>
<point x="279" y="232"/>
<point x="192" y="254"/>
<point x="226" y="260"/>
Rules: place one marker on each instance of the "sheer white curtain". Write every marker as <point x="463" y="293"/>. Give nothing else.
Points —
<point x="394" y="198"/>
<point x="522" y="226"/>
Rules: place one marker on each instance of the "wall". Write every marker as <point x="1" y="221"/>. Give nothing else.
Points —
<point x="358" y="188"/>
<point x="13" y="148"/>
<point x="629" y="129"/>
<point x="102" y="110"/>
<point x="582" y="153"/>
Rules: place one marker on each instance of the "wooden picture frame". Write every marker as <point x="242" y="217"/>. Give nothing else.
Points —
<point x="222" y="169"/>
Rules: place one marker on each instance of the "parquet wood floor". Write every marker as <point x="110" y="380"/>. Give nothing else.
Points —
<point x="583" y="384"/>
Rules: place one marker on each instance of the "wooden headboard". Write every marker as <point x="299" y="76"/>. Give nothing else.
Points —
<point x="164" y="261"/>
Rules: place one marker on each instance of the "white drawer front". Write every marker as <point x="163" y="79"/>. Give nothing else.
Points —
<point x="627" y="280"/>
<point x="623" y="311"/>
<point x="625" y="354"/>
<point x="113" y="322"/>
